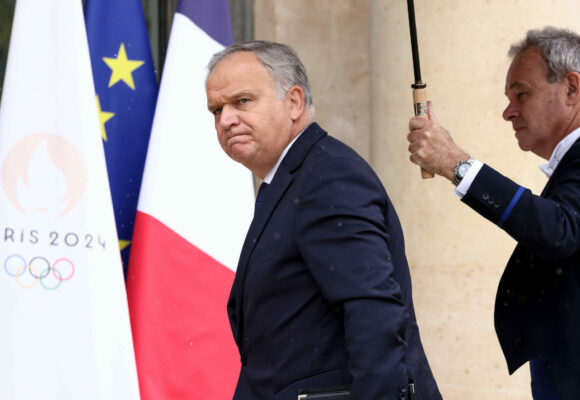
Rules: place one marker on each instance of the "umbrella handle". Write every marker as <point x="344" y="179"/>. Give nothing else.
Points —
<point x="420" y="107"/>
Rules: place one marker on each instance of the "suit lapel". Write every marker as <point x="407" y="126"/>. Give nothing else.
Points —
<point x="270" y="200"/>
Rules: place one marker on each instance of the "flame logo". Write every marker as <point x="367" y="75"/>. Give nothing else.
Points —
<point x="44" y="173"/>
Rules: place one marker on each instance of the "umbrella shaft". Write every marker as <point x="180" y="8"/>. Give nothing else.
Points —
<point x="414" y="44"/>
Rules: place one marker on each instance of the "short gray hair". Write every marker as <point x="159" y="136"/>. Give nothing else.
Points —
<point x="280" y="60"/>
<point x="560" y="49"/>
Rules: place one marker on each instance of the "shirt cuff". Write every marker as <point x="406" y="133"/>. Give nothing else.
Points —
<point x="467" y="180"/>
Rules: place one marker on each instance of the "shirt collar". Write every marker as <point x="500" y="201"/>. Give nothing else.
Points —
<point x="559" y="152"/>
<point x="270" y="175"/>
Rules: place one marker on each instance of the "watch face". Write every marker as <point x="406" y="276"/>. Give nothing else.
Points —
<point x="462" y="170"/>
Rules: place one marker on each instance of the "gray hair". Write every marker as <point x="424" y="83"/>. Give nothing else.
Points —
<point x="280" y="60"/>
<point x="560" y="49"/>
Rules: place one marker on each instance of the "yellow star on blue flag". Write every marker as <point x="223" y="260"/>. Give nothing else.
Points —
<point x="126" y="87"/>
<point x="104" y="116"/>
<point x="122" y="68"/>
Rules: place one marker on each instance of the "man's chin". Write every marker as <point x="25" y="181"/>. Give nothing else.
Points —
<point x="523" y="146"/>
<point x="237" y="157"/>
<point x="237" y="152"/>
<point x="240" y="157"/>
<point x="521" y="142"/>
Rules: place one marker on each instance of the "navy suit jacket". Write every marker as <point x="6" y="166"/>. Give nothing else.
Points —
<point x="322" y="294"/>
<point x="537" y="308"/>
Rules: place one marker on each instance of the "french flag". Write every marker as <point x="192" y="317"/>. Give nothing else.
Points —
<point x="194" y="208"/>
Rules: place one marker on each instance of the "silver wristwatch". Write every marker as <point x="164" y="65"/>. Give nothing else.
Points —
<point x="460" y="170"/>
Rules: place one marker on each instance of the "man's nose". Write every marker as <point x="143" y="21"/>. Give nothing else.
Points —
<point x="229" y="117"/>
<point x="510" y="112"/>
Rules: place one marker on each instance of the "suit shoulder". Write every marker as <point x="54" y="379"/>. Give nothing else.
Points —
<point x="337" y="159"/>
<point x="331" y="147"/>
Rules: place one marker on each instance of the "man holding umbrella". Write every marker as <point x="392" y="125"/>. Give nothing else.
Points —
<point x="538" y="298"/>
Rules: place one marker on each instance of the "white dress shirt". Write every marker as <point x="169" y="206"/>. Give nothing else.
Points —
<point x="272" y="172"/>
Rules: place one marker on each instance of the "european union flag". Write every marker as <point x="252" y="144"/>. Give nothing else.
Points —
<point x="126" y="89"/>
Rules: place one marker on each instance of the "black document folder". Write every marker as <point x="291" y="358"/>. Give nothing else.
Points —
<point x="335" y="393"/>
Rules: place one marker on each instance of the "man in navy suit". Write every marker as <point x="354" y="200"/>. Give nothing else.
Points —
<point x="322" y="294"/>
<point x="537" y="306"/>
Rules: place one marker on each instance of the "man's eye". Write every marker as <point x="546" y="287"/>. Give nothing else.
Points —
<point x="520" y="95"/>
<point x="244" y="101"/>
<point x="217" y="111"/>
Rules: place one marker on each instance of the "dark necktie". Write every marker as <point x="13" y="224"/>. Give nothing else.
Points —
<point x="260" y="195"/>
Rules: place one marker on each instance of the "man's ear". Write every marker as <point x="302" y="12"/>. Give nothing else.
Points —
<point x="295" y="101"/>
<point x="573" y="85"/>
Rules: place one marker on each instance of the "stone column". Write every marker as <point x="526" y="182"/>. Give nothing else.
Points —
<point x="332" y="39"/>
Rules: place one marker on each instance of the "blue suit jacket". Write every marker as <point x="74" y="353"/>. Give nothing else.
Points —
<point x="537" y="308"/>
<point x="322" y="294"/>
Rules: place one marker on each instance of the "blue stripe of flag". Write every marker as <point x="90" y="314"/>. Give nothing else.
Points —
<point x="110" y="24"/>
<point x="213" y="16"/>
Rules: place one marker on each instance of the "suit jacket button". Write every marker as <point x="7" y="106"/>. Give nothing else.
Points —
<point x="403" y="392"/>
<point x="244" y="359"/>
<point x="485" y="196"/>
<point x="518" y="342"/>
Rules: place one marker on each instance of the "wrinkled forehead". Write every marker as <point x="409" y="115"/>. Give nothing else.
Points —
<point x="527" y="67"/>
<point x="238" y="75"/>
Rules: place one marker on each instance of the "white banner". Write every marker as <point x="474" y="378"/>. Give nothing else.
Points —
<point x="65" y="331"/>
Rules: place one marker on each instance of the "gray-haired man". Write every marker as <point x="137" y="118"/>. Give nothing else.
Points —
<point x="322" y="295"/>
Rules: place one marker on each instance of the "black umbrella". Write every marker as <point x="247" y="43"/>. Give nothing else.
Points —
<point x="419" y="92"/>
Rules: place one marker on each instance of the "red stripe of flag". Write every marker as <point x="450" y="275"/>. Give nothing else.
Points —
<point x="184" y="347"/>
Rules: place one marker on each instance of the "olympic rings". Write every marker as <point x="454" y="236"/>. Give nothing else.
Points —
<point x="46" y="268"/>
<point x="18" y="272"/>
<point x="55" y="271"/>
<point x="62" y="269"/>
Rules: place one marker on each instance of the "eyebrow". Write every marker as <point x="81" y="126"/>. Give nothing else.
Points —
<point x="241" y="93"/>
<point x="234" y="96"/>
<point x="211" y="106"/>
<point x="517" y="84"/>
